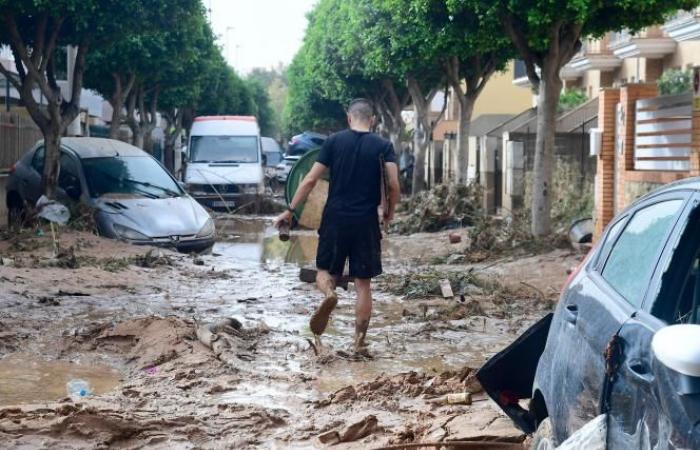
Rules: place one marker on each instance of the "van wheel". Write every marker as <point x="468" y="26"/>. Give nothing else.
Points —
<point x="543" y="439"/>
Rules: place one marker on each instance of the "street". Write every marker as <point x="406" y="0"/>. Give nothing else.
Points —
<point x="126" y="325"/>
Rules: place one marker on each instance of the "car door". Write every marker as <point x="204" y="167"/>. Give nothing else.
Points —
<point x="594" y="308"/>
<point x="30" y="183"/>
<point x="69" y="185"/>
<point x="646" y="410"/>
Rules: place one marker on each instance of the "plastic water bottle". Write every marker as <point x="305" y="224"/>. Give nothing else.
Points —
<point x="78" y="389"/>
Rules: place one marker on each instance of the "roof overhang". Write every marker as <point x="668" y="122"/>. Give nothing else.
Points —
<point x="644" y="48"/>
<point x="602" y="62"/>
<point x="684" y="28"/>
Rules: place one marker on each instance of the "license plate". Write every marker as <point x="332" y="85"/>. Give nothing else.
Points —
<point x="223" y="204"/>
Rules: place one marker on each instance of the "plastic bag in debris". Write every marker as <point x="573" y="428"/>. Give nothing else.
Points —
<point x="592" y="436"/>
<point x="52" y="211"/>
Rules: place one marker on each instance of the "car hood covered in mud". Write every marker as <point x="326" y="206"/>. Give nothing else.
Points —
<point x="160" y="217"/>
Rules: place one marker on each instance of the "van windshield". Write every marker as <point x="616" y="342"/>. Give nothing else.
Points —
<point x="234" y="149"/>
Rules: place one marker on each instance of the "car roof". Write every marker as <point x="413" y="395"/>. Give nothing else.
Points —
<point x="88" y="147"/>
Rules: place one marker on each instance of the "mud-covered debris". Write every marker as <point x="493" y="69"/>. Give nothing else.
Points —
<point x="446" y="288"/>
<point x="352" y="432"/>
<point x="454" y="238"/>
<point x="442" y="207"/>
<point x="152" y="259"/>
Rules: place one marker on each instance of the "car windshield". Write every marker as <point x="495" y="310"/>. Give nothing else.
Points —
<point x="235" y="149"/>
<point x="129" y="175"/>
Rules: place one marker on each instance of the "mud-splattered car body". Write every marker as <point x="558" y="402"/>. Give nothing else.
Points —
<point x="131" y="195"/>
<point x="594" y="355"/>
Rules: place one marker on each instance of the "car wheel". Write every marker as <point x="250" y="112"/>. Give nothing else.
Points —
<point x="543" y="439"/>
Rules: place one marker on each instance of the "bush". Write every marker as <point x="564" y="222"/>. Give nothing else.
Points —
<point x="675" y="81"/>
<point x="571" y="98"/>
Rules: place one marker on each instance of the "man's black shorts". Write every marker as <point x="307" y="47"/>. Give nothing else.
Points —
<point x="358" y="239"/>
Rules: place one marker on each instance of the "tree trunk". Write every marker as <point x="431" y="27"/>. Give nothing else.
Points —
<point x="52" y="146"/>
<point x="461" y="156"/>
<point x="549" y="92"/>
<point x="137" y="137"/>
<point x="420" y="141"/>
<point x="116" y="120"/>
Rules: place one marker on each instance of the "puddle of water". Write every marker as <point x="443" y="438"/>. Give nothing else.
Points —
<point x="277" y="396"/>
<point x="26" y="380"/>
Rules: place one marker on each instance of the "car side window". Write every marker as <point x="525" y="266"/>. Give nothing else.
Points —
<point x="634" y="255"/>
<point x="610" y="240"/>
<point x="38" y="160"/>
<point x="69" y="174"/>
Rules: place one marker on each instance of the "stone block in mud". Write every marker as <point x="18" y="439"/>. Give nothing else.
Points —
<point x="353" y="432"/>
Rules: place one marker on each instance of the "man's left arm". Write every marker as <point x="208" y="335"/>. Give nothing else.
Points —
<point x="394" y="190"/>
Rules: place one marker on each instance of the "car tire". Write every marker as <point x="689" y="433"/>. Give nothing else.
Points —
<point x="15" y="213"/>
<point x="543" y="439"/>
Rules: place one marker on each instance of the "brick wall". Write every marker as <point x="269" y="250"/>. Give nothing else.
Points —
<point x="605" y="171"/>
<point x="617" y="185"/>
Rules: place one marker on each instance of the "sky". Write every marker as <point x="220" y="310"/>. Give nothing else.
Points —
<point x="259" y="33"/>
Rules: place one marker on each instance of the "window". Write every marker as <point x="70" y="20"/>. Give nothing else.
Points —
<point x="634" y="255"/>
<point x="231" y="149"/>
<point x="38" y="160"/>
<point x="68" y="175"/>
<point x="130" y="176"/>
<point x="610" y="239"/>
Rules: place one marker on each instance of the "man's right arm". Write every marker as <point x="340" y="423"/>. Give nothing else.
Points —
<point x="303" y="190"/>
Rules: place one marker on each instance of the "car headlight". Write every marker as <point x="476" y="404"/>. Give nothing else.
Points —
<point x="207" y="230"/>
<point x="129" y="233"/>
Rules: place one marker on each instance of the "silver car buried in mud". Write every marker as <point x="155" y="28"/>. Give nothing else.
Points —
<point x="133" y="197"/>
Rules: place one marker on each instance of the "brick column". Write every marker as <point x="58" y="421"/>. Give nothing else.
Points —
<point x="695" y="147"/>
<point x="605" y="171"/>
<point x="628" y="96"/>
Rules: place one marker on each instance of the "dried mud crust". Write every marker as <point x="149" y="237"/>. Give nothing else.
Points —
<point x="167" y="399"/>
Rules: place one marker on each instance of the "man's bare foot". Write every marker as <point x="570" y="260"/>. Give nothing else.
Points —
<point x="319" y="320"/>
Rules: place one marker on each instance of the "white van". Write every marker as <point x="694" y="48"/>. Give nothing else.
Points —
<point x="224" y="168"/>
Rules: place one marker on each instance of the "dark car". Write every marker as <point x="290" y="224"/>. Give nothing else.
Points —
<point x="302" y="143"/>
<point x="624" y="339"/>
<point x="133" y="197"/>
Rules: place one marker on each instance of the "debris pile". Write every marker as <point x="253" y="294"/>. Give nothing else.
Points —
<point x="443" y="207"/>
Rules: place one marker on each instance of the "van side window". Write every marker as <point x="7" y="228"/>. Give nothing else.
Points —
<point x="38" y="160"/>
<point x="634" y="255"/>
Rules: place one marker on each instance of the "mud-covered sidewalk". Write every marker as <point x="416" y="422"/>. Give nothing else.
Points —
<point x="125" y="319"/>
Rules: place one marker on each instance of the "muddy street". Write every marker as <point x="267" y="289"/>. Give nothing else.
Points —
<point x="126" y="320"/>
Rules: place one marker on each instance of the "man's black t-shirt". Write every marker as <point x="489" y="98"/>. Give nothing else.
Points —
<point x="354" y="159"/>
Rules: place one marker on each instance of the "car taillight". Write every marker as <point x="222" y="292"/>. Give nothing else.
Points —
<point x="13" y="168"/>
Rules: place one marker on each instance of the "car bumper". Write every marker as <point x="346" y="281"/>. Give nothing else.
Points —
<point x="195" y="245"/>
<point x="226" y="201"/>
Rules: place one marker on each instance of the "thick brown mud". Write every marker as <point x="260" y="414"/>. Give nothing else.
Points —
<point x="126" y="323"/>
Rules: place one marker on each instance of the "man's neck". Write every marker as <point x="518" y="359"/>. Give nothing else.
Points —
<point x="360" y="128"/>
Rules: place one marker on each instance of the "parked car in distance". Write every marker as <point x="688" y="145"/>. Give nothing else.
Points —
<point x="272" y="151"/>
<point x="133" y="197"/>
<point x="279" y="179"/>
<point x="624" y="339"/>
<point x="224" y="164"/>
<point x="302" y="143"/>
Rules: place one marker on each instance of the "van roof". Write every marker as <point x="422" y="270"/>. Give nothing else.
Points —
<point x="225" y="126"/>
<point x="206" y="118"/>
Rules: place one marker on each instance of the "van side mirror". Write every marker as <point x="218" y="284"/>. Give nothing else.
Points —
<point x="677" y="347"/>
<point x="264" y="159"/>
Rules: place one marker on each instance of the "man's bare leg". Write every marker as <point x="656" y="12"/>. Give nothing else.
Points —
<point x="363" y="311"/>
<point x="319" y="320"/>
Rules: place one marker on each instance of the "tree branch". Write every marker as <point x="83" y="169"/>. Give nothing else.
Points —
<point x="10" y="77"/>
<point x="51" y="46"/>
<point x="520" y="42"/>
<point x="19" y="49"/>
<point x="37" y="57"/>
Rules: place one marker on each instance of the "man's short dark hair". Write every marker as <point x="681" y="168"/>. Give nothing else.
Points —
<point x="361" y="109"/>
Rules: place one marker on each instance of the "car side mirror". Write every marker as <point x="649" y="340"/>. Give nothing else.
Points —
<point x="264" y="159"/>
<point x="677" y="347"/>
<point x="73" y="191"/>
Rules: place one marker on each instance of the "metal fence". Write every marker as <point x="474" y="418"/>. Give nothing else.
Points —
<point x="17" y="134"/>
<point x="663" y="133"/>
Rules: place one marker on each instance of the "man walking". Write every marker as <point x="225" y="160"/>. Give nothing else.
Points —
<point x="357" y="160"/>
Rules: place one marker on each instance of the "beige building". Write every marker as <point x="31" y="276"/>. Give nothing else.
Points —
<point x="622" y="58"/>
